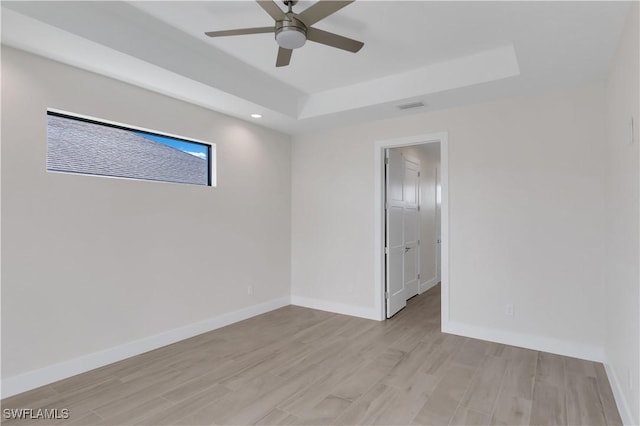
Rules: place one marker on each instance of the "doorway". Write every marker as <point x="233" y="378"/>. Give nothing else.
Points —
<point x="401" y="245"/>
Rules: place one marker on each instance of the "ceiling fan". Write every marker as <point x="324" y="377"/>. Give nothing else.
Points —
<point x="292" y="30"/>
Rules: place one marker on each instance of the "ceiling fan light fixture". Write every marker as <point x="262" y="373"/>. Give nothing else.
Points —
<point x="291" y="33"/>
<point x="291" y="38"/>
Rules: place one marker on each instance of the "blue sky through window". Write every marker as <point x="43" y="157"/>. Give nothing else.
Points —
<point x="195" y="149"/>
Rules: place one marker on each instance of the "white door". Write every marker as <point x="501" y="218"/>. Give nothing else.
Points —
<point x="394" y="250"/>
<point x="402" y="231"/>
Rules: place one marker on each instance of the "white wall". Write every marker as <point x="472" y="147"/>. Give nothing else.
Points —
<point x="622" y="278"/>
<point x="526" y="200"/>
<point x="92" y="263"/>
<point x="429" y="157"/>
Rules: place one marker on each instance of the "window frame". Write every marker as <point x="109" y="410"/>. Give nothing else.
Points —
<point x="211" y="147"/>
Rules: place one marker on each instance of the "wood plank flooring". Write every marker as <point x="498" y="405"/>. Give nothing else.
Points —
<point x="298" y="366"/>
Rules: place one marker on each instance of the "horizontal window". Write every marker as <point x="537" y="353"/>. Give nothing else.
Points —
<point x="77" y="144"/>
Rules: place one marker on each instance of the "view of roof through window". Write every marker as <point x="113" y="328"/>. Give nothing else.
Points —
<point x="88" y="146"/>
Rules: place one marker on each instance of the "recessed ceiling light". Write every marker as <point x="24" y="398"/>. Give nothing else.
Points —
<point x="256" y="115"/>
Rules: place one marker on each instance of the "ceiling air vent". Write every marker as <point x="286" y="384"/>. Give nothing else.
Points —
<point x="410" y="105"/>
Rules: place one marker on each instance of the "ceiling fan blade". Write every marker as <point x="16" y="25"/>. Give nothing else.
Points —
<point x="240" y="31"/>
<point x="321" y="10"/>
<point x="284" y="57"/>
<point x="272" y="9"/>
<point x="334" y="40"/>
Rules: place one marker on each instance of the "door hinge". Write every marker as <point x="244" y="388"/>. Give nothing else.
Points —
<point x="418" y="276"/>
<point x="386" y="294"/>
<point x="386" y="206"/>
<point x="418" y="242"/>
<point x="418" y="207"/>
<point x="386" y="250"/>
<point x="386" y="160"/>
<point x="418" y="174"/>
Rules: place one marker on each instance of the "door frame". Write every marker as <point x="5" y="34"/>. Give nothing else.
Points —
<point x="379" y="217"/>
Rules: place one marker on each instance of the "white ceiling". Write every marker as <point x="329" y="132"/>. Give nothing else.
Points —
<point x="442" y="53"/>
<point x="397" y="36"/>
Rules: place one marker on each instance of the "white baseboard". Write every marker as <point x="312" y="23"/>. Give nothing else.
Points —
<point x="33" y="379"/>
<point x="338" y="308"/>
<point x="427" y="285"/>
<point x="621" y="401"/>
<point x="538" y="343"/>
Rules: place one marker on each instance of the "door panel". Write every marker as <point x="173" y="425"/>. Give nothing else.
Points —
<point x="411" y="283"/>
<point x="396" y="224"/>
<point x="396" y="272"/>
<point x="395" y="179"/>
<point x="411" y="226"/>
<point x="410" y="187"/>
<point x="402" y="230"/>
<point x="395" y="291"/>
<point x="412" y="251"/>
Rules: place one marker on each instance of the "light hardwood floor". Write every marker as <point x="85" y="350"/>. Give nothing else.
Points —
<point x="302" y="366"/>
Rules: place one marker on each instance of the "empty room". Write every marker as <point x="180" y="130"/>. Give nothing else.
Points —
<point x="320" y="212"/>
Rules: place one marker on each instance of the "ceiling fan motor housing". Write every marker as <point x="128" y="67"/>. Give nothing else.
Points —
<point x="291" y="34"/>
